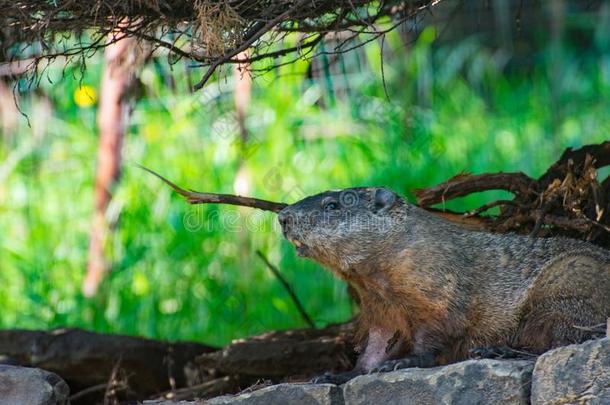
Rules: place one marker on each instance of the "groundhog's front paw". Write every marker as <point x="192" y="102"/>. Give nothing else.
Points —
<point x="393" y="365"/>
<point x="495" y="352"/>
<point x="406" y="362"/>
<point x="338" y="379"/>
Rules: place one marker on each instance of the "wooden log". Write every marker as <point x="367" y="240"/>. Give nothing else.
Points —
<point x="276" y="355"/>
<point x="86" y="359"/>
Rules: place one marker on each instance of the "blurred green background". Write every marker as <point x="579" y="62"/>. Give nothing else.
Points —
<point x="184" y="272"/>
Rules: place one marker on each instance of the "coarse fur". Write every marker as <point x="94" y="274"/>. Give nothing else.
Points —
<point x="427" y="286"/>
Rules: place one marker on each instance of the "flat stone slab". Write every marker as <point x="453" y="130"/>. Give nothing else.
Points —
<point x="282" y="394"/>
<point x="470" y="382"/>
<point x="575" y="374"/>
<point x="32" y="386"/>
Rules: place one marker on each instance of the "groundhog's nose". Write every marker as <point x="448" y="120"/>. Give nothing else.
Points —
<point x="286" y="219"/>
<point x="282" y="217"/>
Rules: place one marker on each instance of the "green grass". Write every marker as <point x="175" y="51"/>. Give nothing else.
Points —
<point x="182" y="272"/>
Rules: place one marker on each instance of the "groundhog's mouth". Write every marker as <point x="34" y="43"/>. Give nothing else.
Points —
<point x="301" y="248"/>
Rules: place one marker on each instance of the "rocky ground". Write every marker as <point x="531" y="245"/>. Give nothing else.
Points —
<point x="576" y="374"/>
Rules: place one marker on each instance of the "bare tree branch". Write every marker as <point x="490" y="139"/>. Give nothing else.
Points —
<point x="211" y="32"/>
<point x="195" y="197"/>
<point x="464" y="184"/>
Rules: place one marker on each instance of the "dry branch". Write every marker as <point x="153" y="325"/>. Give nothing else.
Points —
<point x="464" y="184"/>
<point x="568" y="199"/>
<point x="210" y="32"/>
<point x="195" y="197"/>
<point x="600" y="153"/>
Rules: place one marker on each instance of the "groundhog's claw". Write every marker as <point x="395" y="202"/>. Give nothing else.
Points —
<point x="392" y="365"/>
<point x="407" y="362"/>
<point x="322" y="379"/>
<point x="494" y="352"/>
<point x="338" y="379"/>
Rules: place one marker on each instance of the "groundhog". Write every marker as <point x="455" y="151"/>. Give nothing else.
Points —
<point x="430" y="291"/>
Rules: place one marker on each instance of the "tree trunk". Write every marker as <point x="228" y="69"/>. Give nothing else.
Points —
<point x="113" y="114"/>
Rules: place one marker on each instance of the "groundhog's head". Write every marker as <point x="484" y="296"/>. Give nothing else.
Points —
<point x="343" y="228"/>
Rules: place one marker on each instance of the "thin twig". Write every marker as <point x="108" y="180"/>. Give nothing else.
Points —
<point x="196" y="197"/>
<point x="288" y="289"/>
<point x="57" y="31"/>
<point x="488" y="206"/>
<point x="596" y="223"/>
<point x="88" y="390"/>
<point x="114" y="384"/>
<point x="206" y="389"/>
<point x="259" y="30"/>
<point x="385" y="86"/>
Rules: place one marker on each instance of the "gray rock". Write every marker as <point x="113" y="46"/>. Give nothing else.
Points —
<point x="574" y="374"/>
<point x="170" y="402"/>
<point x="282" y="394"/>
<point x="470" y="382"/>
<point x="31" y="386"/>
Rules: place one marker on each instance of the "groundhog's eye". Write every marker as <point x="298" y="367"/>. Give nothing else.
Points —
<point x="331" y="206"/>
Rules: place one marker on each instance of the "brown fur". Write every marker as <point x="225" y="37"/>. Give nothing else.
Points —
<point x="428" y="286"/>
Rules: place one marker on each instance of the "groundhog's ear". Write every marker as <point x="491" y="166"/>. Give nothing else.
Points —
<point x="383" y="199"/>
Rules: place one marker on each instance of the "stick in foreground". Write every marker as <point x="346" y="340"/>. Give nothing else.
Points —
<point x="195" y="197"/>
